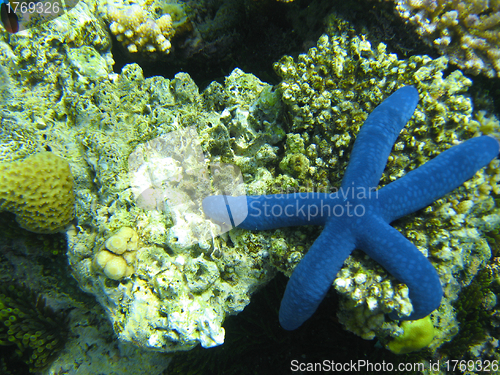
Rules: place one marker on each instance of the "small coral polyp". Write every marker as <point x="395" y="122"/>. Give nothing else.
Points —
<point x="138" y="30"/>
<point x="117" y="260"/>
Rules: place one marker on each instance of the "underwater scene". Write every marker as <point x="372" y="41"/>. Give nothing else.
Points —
<point x="249" y="187"/>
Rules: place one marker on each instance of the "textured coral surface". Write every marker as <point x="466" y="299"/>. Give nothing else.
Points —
<point x="466" y="31"/>
<point x="39" y="191"/>
<point x="329" y="92"/>
<point x="138" y="30"/>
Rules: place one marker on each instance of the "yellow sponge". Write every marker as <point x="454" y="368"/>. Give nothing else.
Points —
<point x="417" y="335"/>
<point x="39" y="191"/>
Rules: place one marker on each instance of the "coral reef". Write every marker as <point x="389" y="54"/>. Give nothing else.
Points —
<point x="372" y="210"/>
<point x="62" y="94"/>
<point x="185" y="279"/>
<point x="467" y="32"/>
<point x="39" y="191"/>
<point x="329" y="92"/>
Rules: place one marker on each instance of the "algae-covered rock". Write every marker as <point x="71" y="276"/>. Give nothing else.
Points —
<point x="174" y="290"/>
<point x="95" y="119"/>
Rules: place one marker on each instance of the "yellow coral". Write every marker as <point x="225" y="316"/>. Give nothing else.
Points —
<point x="417" y="335"/>
<point x="138" y="30"/>
<point x="123" y="240"/>
<point x="39" y="191"/>
<point x="113" y="266"/>
<point x="468" y="32"/>
<point x="117" y="260"/>
<point x="116" y="268"/>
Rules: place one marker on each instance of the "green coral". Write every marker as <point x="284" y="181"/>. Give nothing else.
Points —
<point x="29" y="324"/>
<point x="329" y="92"/>
<point x="295" y="163"/>
<point x="38" y="243"/>
<point x="417" y="335"/>
<point x="472" y="314"/>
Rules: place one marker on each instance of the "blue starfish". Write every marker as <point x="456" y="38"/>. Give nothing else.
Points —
<point x="358" y="216"/>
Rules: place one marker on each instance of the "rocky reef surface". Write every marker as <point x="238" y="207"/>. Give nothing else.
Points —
<point x="144" y="152"/>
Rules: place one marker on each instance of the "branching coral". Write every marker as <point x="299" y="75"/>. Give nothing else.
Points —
<point x="468" y="32"/>
<point x="136" y="31"/>
<point x="143" y="28"/>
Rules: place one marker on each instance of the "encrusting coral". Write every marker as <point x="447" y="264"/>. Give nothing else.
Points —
<point x="466" y="31"/>
<point x="39" y="191"/>
<point x="417" y="334"/>
<point x="184" y="283"/>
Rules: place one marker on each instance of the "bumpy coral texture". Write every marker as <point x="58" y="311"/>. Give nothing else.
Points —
<point x="39" y="191"/>
<point x="329" y="91"/>
<point x="183" y="286"/>
<point x="138" y="30"/>
<point x="116" y="261"/>
<point x="468" y="32"/>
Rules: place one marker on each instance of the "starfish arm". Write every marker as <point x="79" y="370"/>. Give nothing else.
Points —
<point x="437" y="177"/>
<point x="376" y="138"/>
<point x="314" y="275"/>
<point x="261" y="212"/>
<point x="405" y="262"/>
